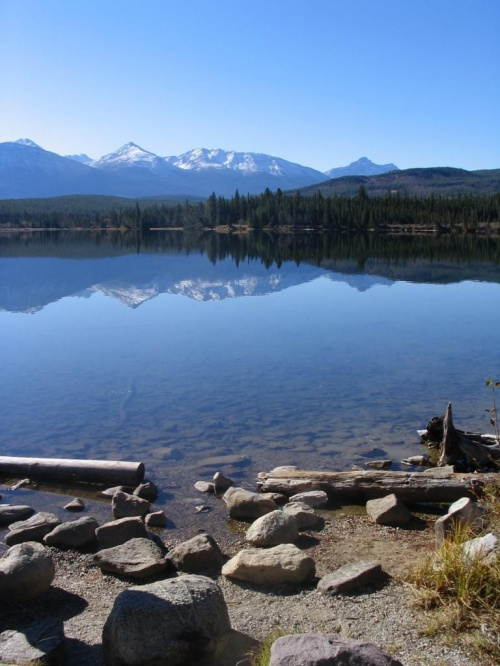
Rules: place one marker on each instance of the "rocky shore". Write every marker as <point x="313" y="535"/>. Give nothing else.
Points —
<point x="285" y="566"/>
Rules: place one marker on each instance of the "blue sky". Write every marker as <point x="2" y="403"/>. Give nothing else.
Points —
<point x="319" y="82"/>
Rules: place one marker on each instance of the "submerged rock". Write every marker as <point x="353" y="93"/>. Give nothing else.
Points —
<point x="12" y="514"/>
<point x="127" y="506"/>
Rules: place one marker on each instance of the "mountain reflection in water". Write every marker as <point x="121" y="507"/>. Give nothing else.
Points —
<point x="151" y="348"/>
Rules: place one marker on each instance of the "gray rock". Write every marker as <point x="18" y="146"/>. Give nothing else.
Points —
<point x="120" y="531"/>
<point x="222" y="483"/>
<point x="11" y="514"/>
<point x="175" y="621"/>
<point x="137" y="558"/>
<point x="484" y="548"/>
<point x="75" y="505"/>
<point x="313" y="498"/>
<point x="245" y="505"/>
<point x="109" y="492"/>
<point x="33" y="529"/>
<point x="147" y="491"/>
<point x="128" y="506"/>
<point x="75" y="534"/>
<point x="205" y="487"/>
<point x="388" y="510"/>
<point x="350" y="577"/>
<point x="464" y="511"/>
<point x="197" y="554"/>
<point x="279" y="498"/>
<point x="379" y="464"/>
<point x="26" y="572"/>
<point x="272" y="566"/>
<point x="327" y="650"/>
<point x="272" y="529"/>
<point x="416" y="461"/>
<point x="304" y="514"/>
<point x="40" y="642"/>
<point x="156" y="519"/>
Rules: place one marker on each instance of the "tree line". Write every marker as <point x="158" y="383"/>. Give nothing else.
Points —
<point x="275" y="210"/>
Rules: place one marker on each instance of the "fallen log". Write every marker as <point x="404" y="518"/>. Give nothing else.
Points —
<point x="363" y="485"/>
<point x="109" y="472"/>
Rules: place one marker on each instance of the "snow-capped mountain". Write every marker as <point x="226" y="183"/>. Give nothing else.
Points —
<point x="202" y="159"/>
<point x="26" y="170"/>
<point x="132" y="156"/>
<point x="361" y="167"/>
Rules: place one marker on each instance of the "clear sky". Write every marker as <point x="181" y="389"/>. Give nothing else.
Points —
<point x="319" y="82"/>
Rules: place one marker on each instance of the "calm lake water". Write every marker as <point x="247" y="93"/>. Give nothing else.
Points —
<point x="209" y="353"/>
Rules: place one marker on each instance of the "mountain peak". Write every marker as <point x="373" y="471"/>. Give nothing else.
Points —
<point x="361" y="167"/>
<point x="27" y="142"/>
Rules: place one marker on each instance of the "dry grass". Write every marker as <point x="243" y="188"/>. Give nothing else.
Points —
<point x="262" y="655"/>
<point x="462" y="593"/>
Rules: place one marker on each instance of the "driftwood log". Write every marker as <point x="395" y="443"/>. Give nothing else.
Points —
<point x="468" y="449"/>
<point x="109" y="472"/>
<point x="432" y="486"/>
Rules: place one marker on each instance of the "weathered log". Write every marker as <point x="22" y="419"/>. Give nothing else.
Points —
<point x="110" y="472"/>
<point x="363" y="485"/>
<point x="472" y="449"/>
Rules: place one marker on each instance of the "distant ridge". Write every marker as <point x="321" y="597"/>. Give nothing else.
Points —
<point x="361" y="167"/>
<point x="440" y="181"/>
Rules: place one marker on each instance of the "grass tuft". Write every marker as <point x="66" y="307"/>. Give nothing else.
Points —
<point x="462" y="593"/>
<point x="261" y="656"/>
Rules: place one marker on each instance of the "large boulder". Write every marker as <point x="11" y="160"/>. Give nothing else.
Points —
<point x="128" y="506"/>
<point x="350" y="577"/>
<point x="40" y="643"/>
<point x="388" y="510"/>
<point x="26" y="572"/>
<point x="327" y="650"/>
<point x="282" y="564"/>
<point x="245" y="505"/>
<point x="175" y="621"/>
<point x="120" y="531"/>
<point x="137" y="558"/>
<point x="272" y="529"/>
<point x="74" y="534"/>
<point x="33" y="529"/>
<point x="197" y="554"/>
<point x="11" y="514"/>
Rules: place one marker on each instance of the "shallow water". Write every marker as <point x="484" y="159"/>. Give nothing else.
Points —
<point x="193" y="366"/>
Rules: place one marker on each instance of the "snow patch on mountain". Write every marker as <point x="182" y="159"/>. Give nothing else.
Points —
<point x="130" y="155"/>
<point x="27" y="142"/>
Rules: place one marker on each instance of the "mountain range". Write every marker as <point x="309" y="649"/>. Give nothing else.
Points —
<point x="27" y="171"/>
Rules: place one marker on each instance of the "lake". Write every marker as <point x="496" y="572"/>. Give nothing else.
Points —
<point x="203" y="352"/>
